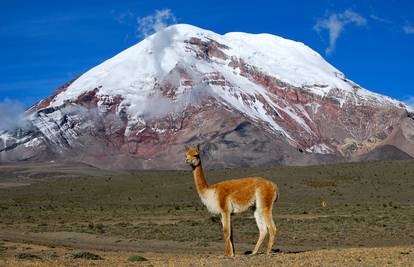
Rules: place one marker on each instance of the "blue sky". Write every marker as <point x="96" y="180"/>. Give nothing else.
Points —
<point x="44" y="44"/>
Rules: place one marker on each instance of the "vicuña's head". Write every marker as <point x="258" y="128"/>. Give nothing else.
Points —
<point x="192" y="155"/>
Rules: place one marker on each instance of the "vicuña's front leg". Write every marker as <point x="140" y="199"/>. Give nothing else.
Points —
<point x="228" y="245"/>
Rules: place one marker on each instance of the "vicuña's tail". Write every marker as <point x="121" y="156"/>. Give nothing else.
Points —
<point x="277" y="195"/>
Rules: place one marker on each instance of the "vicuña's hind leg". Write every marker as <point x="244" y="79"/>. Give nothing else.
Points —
<point x="271" y="227"/>
<point x="228" y="244"/>
<point x="262" y="230"/>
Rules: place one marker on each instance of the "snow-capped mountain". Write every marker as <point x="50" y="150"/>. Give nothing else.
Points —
<point x="251" y="99"/>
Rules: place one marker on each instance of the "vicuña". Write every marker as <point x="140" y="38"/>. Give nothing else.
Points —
<point x="235" y="196"/>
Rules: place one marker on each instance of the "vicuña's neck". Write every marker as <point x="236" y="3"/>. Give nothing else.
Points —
<point x="199" y="179"/>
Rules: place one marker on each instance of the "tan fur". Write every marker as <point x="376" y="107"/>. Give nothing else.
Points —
<point x="235" y="196"/>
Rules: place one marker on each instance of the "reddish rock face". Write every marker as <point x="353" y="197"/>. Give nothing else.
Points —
<point x="46" y="102"/>
<point x="99" y="129"/>
<point x="207" y="49"/>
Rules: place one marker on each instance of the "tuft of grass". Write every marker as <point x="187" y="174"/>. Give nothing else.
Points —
<point x="52" y="256"/>
<point x="202" y="244"/>
<point x="320" y="183"/>
<point x="27" y="256"/>
<point x="134" y="258"/>
<point x="85" y="255"/>
<point x="100" y="228"/>
<point x="215" y="219"/>
<point x="2" y="249"/>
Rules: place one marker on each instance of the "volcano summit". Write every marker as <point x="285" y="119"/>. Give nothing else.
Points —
<point x="251" y="99"/>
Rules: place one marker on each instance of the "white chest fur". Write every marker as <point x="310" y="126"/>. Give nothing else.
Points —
<point x="210" y="200"/>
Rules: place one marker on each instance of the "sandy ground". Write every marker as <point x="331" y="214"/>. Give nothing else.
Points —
<point x="57" y="256"/>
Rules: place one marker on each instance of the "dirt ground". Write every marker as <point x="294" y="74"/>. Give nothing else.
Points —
<point x="351" y="214"/>
<point x="58" y="256"/>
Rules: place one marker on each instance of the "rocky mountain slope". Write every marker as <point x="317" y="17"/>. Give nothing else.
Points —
<point x="251" y="99"/>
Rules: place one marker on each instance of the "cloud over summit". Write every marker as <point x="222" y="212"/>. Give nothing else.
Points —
<point x="153" y="23"/>
<point x="12" y="115"/>
<point x="335" y="24"/>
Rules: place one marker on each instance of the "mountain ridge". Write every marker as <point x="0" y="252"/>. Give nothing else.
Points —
<point x="161" y="93"/>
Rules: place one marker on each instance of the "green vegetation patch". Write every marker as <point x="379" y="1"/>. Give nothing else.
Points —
<point x="137" y="258"/>
<point x="85" y="255"/>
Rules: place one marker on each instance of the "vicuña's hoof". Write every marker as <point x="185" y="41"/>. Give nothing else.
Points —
<point x="248" y="253"/>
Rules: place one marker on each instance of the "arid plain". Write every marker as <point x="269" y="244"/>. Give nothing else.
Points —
<point x="65" y="214"/>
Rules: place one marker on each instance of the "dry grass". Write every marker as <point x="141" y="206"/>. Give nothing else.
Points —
<point x="367" y="218"/>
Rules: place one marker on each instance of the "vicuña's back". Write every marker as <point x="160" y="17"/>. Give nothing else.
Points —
<point x="234" y="196"/>
<point x="244" y="193"/>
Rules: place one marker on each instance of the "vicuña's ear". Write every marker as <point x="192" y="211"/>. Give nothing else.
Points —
<point x="198" y="147"/>
<point x="186" y="147"/>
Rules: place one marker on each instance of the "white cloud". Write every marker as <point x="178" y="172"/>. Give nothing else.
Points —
<point x="12" y="115"/>
<point x="380" y="19"/>
<point x="408" y="29"/>
<point x="154" y="23"/>
<point x="409" y="101"/>
<point x="335" y="24"/>
<point x="124" y="17"/>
